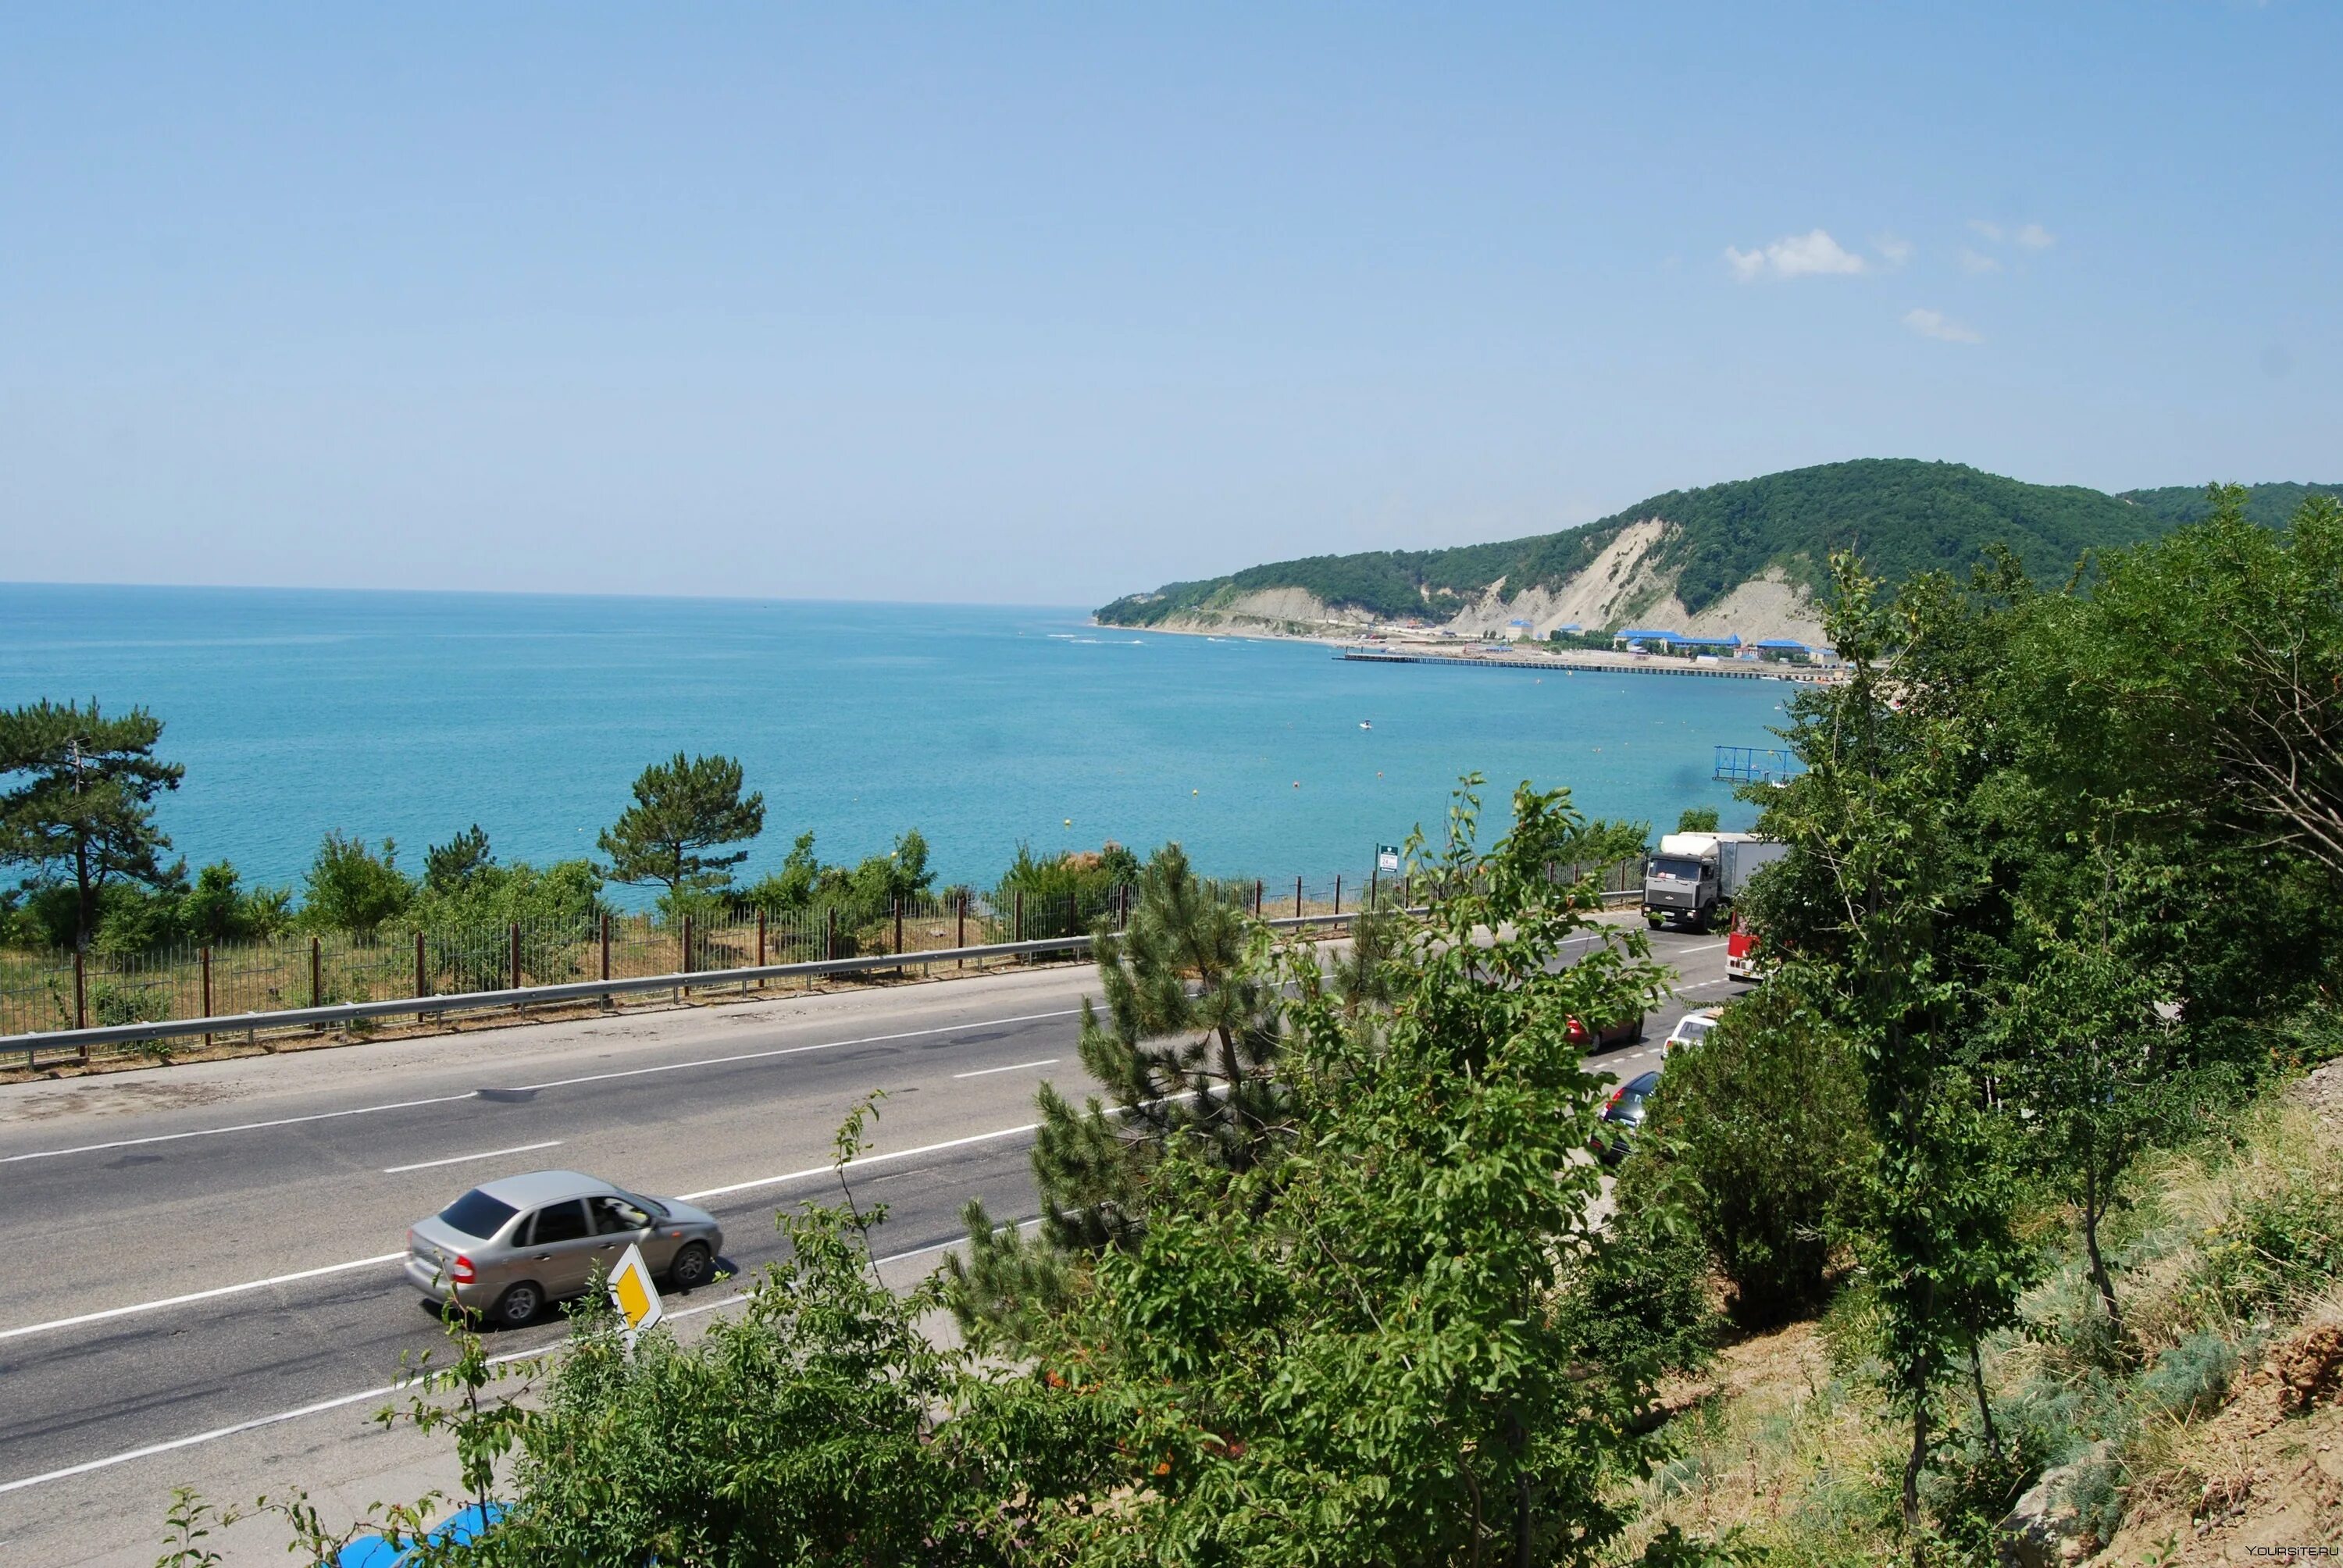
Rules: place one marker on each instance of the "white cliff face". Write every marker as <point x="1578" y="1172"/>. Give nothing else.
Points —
<point x="1622" y="586"/>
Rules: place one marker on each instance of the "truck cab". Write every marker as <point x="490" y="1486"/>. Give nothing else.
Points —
<point x="1695" y="876"/>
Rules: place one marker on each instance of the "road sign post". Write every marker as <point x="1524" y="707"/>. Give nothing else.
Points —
<point x="633" y="1295"/>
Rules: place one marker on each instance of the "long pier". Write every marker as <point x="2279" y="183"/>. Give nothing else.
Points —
<point x="1514" y="661"/>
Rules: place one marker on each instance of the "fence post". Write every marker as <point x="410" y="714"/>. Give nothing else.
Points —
<point x="686" y="954"/>
<point x="207" y="988"/>
<point x="960" y="931"/>
<point x="605" y="956"/>
<point x="1338" y="892"/>
<point x="316" y="974"/>
<point x="422" y="977"/>
<point x="1374" y="885"/>
<point x="81" y="995"/>
<point x="1122" y="907"/>
<point x="1018" y="932"/>
<point x="512" y="936"/>
<point x="1407" y="892"/>
<point x="760" y="945"/>
<point x="830" y="932"/>
<point x="1257" y="888"/>
<point x="1297" y="897"/>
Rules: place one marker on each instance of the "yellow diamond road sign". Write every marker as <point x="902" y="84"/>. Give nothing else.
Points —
<point x="634" y="1296"/>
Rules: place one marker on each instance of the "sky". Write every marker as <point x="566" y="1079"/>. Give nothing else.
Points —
<point x="1043" y="304"/>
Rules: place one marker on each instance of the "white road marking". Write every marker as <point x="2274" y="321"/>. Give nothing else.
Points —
<point x="460" y="1159"/>
<point x="344" y="1400"/>
<point x="528" y="1088"/>
<point x="1701" y="948"/>
<point x="239" y="1127"/>
<point x="212" y="1294"/>
<point x="793" y="1051"/>
<point x="814" y="1170"/>
<point x="218" y="1291"/>
<point x="985" y="1071"/>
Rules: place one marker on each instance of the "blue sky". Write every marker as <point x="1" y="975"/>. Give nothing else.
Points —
<point x="1045" y="303"/>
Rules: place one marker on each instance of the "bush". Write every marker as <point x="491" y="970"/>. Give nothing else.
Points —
<point x="1759" y="1128"/>
<point x="351" y="889"/>
<point x="2191" y="1378"/>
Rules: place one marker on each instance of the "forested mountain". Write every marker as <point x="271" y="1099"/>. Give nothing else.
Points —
<point x="1744" y="556"/>
<point x="2268" y="505"/>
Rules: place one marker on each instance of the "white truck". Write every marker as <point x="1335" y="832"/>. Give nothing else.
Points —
<point x="1696" y="876"/>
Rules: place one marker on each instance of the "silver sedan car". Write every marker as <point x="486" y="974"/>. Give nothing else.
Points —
<point x="507" y="1247"/>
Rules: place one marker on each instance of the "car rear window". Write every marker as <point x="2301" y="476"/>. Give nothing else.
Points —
<point x="478" y="1214"/>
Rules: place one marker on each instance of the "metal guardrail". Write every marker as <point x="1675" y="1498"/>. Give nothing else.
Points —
<point x="346" y="1013"/>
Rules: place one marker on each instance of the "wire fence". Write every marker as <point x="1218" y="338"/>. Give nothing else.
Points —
<point x="47" y="991"/>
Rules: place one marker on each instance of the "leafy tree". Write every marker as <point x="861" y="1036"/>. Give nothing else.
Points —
<point x="82" y="814"/>
<point x="2224" y="648"/>
<point x="1884" y="911"/>
<point x="795" y="886"/>
<point x="2095" y="1066"/>
<point x="683" y="808"/>
<point x="1759" y="1132"/>
<point x="1697" y="819"/>
<point x="350" y="888"/>
<point x="220" y="909"/>
<point x="900" y="874"/>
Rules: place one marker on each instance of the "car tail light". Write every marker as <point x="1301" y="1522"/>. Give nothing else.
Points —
<point x="1613" y="1100"/>
<point x="1576" y="1032"/>
<point x="460" y="1270"/>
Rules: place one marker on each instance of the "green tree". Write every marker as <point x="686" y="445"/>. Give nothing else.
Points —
<point x="448" y="867"/>
<point x="1759" y="1132"/>
<point x="351" y="889"/>
<point x="2224" y="646"/>
<point x="683" y="808"/>
<point x="2092" y="1060"/>
<point x="82" y="814"/>
<point x="1697" y="819"/>
<point x="1884" y="910"/>
<point x="901" y="873"/>
<point x="220" y="909"/>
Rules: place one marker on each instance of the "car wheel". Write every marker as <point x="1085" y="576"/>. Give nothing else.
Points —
<point x="518" y="1305"/>
<point x="691" y="1269"/>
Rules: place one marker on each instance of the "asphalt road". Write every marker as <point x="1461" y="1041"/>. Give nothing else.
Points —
<point x="193" y="1250"/>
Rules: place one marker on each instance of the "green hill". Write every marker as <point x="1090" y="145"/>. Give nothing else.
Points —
<point x="1905" y="515"/>
<point x="2269" y="504"/>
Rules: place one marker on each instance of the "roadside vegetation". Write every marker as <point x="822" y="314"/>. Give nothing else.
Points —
<point x="2003" y="1222"/>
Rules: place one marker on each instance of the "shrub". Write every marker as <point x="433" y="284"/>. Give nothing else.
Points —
<point x="1759" y="1128"/>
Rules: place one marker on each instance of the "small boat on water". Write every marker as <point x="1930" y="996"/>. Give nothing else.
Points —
<point x="1366" y="724"/>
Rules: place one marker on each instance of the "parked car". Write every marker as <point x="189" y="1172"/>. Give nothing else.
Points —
<point x="1608" y="1035"/>
<point x="507" y="1247"/>
<point x="1621" y="1116"/>
<point x="1691" y="1028"/>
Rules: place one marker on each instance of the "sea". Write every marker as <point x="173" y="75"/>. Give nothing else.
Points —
<point x="411" y="716"/>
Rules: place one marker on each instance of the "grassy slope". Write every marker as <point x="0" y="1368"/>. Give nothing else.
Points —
<point x="1907" y="517"/>
<point x="2225" y="1260"/>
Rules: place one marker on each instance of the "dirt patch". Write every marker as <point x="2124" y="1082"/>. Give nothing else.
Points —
<point x="101" y="1098"/>
<point x="2264" y="1473"/>
<point x="2321" y="1089"/>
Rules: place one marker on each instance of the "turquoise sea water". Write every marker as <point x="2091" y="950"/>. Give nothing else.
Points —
<point x="413" y="715"/>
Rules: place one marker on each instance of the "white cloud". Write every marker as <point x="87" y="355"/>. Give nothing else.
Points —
<point x="1936" y="324"/>
<point x="1895" y="249"/>
<point x="1813" y="255"/>
<point x="1976" y="261"/>
<point x="1991" y="231"/>
<point x="2034" y="237"/>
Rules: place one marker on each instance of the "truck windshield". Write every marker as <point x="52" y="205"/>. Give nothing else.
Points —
<point x="1677" y="870"/>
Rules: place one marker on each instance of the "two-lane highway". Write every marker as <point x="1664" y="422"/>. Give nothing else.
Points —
<point x="215" y="1246"/>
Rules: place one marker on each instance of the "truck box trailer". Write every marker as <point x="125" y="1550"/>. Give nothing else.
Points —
<point x="1694" y="877"/>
